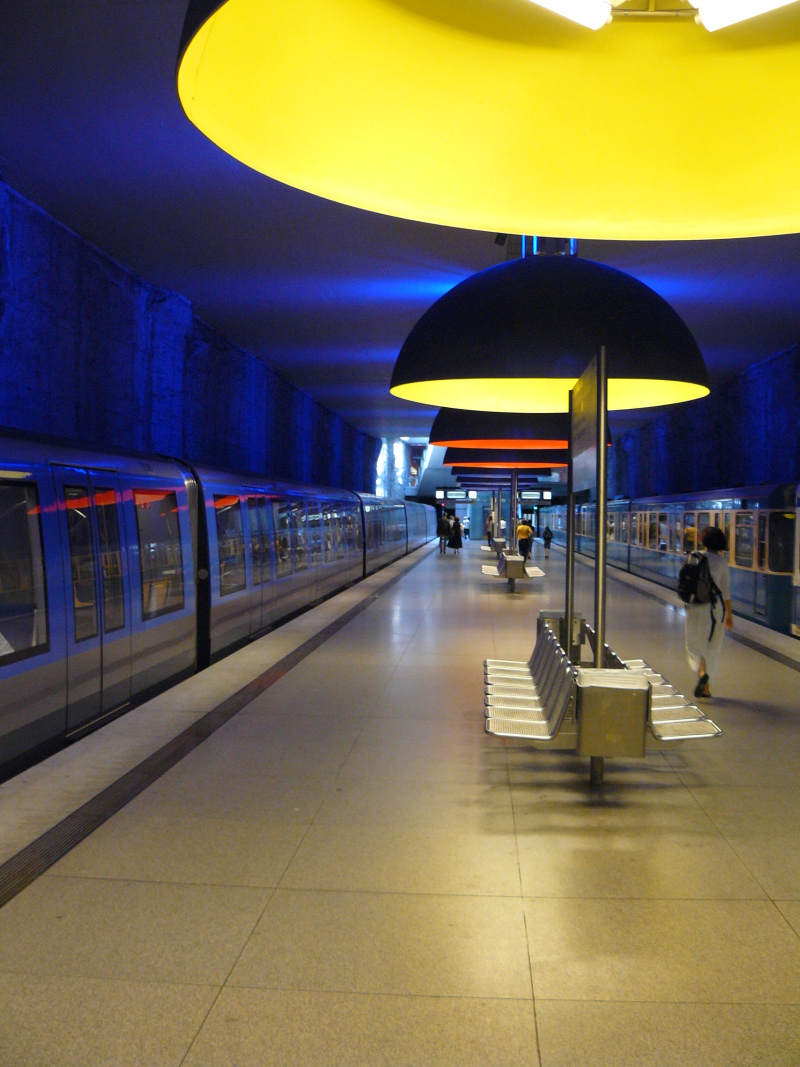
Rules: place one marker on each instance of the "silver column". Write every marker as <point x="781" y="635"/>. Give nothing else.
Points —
<point x="512" y="530"/>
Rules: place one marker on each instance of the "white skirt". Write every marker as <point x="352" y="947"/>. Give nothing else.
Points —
<point x="698" y="627"/>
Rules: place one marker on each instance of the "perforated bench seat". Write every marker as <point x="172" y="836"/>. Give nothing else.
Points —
<point x="684" y="731"/>
<point x="502" y="727"/>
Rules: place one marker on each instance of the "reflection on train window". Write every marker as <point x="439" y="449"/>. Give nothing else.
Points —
<point x="652" y="530"/>
<point x="282" y="518"/>
<point x="23" y="609"/>
<point x="678" y="531"/>
<point x="354" y="529"/>
<point x="299" y="535"/>
<point x="160" y="555"/>
<point x="663" y="532"/>
<point x="230" y="544"/>
<point x="744" y="538"/>
<point x="762" y="540"/>
<point x="689" y="532"/>
<point x="623" y="527"/>
<point x="611" y="526"/>
<point x="726" y="527"/>
<point x="314" y="526"/>
<point x="259" y="538"/>
<point x="81" y="552"/>
<point x="781" y="541"/>
<point x="110" y="560"/>
<point x="703" y="522"/>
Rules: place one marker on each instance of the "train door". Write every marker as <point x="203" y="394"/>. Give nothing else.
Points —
<point x="260" y="537"/>
<point x="98" y="601"/>
<point x="761" y="563"/>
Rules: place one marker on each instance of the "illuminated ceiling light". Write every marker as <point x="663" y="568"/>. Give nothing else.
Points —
<point x="454" y="428"/>
<point x="504" y="459"/>
<point x="499" y="117"/>
<point x="590" y="13"/>
<point x="516" y="337"/>
<point x="716" y="14"/>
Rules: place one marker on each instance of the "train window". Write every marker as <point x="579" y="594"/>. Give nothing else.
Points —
<point x="762" y="540"/>
<point x="230" y="544"/>
<point x="652" y="530"/>
<point x="259" y="538"/>
<point x="105" y="501"/>
<point x="23" y="609"/>
<point x="689" y="532"/>
<point x="611" y="532"/>
<point x="781" y="541"/>
<point x="703" y="522"/>
<point x="160" y="555"/>
<point x="726" y="528"/>
<point x="299" y="535"/>
<point x="678" y="531"/>
<point x="282" y="516"/>
<point x="663" y="532"/>
<point x="744" y="535"/>
<point x="354" y="522"/>
<point x="81" y="553"/>
<point x="315" y="532"/>
<point x="623" y="527"/>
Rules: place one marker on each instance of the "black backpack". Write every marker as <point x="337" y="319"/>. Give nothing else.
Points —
<point x="695" y="584"/>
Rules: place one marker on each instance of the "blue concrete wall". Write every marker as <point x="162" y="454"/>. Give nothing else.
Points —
<point x="91" y="352"/>
<point x="746" y="432"/>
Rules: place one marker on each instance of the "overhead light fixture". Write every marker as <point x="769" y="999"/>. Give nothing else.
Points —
<point x="590" y="13"/>
<point x="716" y="14"/>
<point x="516" y="337"/>
<point x="455" y="428"/>
<point x="504" y="459"/>
<point x="371" y="105"/>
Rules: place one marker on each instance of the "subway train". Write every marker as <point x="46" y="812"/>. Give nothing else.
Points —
<point x="651" y="537"/>
<point x="121" y="574"/>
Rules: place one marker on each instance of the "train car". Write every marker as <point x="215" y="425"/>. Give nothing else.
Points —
<point x="122" y="574"/>
<point x="97" y="587"/>
<point x="651" y="537"/>
<point x="273" y="549"/>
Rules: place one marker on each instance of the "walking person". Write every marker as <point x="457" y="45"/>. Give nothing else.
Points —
<point x="455" y="536"/>
<point x="443" y="530"/>
<point x="489" y="529"/>
<point x="704" y="617"/>
<point x="525" y="539"/>
<point x="547" y="537"/>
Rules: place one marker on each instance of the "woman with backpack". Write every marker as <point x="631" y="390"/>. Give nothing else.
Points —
<point x="706" y="580"/>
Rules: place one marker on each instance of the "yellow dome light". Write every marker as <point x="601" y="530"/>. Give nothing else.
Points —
<point x="498" y="115"/>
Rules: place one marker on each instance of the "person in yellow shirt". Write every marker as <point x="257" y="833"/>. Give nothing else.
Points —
<point x="524" y="538"/>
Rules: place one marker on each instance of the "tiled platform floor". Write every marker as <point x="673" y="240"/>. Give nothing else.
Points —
<point x="350" y="872"/>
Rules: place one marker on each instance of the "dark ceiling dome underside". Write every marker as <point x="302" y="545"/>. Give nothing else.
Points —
<point x="546" y="316"/>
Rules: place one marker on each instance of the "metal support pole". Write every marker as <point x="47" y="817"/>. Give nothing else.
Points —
<point x="512" y="526"/>
<point x="601" y="512"/>
<point x="498" y="526"/>
<point x="595" y="770"/>
<point x="570" y="591"/>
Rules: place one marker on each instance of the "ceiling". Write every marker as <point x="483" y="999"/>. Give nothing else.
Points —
<point x="92" y="131"/>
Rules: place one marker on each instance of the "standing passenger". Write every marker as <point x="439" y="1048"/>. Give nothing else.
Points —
<point x="704" y="631"/>
<point x="455" y="536"/>
<point x="547" y="537"/>
<point x="525" y="537"/>
<point x="443" y="530"/>
<point x="489" y="529"/>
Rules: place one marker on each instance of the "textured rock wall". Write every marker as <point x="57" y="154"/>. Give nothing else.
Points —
<point x="89" y="351"/>
<point x="746" y="432"/>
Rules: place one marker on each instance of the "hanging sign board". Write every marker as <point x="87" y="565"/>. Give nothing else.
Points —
<point x="584" y="430"/>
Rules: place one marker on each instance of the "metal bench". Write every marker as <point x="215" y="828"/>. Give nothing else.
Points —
<point x="511" y="566"/>
<point x="529" y="700"/>
<point x="611" y="708"/>
<point x="671" y="716"/>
